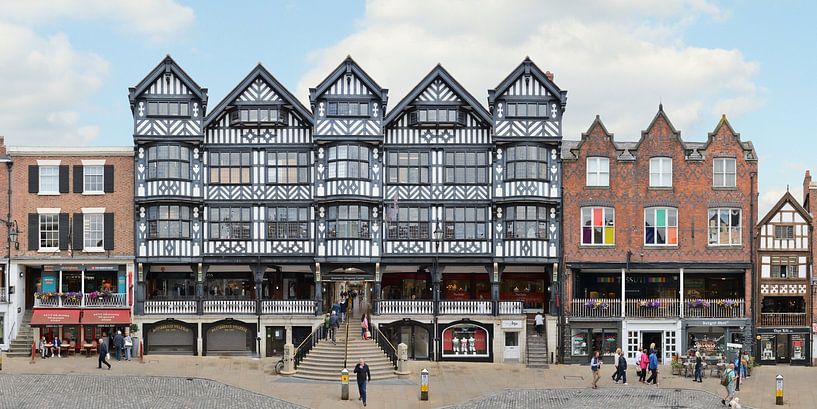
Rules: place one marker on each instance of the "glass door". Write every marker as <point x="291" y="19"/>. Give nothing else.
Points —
<point x="783" y="348"/>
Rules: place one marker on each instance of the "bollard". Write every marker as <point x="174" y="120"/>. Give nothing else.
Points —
<point x="141" y="352"/>
<point x="1" y="360"/>
<point x="424" y="384"/>
<point x="402" y="357"/>
<point x="344" y="384"/>
<point x="33" y="351"/>
<point x="779" y="390"/>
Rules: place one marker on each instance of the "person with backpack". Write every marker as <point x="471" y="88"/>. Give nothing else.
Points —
<point x="653" y="366"/>
<point x="595" y="366"/>
<point x="643" y="363"/>
<point x="728" y="381"/>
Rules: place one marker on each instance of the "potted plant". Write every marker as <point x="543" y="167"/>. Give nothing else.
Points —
<point x="650" y="304"/>
<point x="698" y="303"/>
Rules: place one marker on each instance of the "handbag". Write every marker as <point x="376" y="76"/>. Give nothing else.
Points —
<point x="128" y="344"/>
<point x="107" y="356"/>
<point x="368" y="334"/>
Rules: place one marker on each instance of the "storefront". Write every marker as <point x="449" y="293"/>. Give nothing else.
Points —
<point x="466" y="286"/>
<point x="711" y="336"/>
<point x="640" y="334"/>
<point x="529" y="288"/>
<point x="406" y="286"/>
<point x="466" y="340"/>
<point x="784" y="345"/>
<point x="416" y="335"/>
<point x="170" y="337"/>
<point x="588" y="337"/>
<point x="229" y="337"/>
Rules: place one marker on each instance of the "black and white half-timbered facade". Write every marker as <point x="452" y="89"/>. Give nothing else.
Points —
<point x="253" y="218"/>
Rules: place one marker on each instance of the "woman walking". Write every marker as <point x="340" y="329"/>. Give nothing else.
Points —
<point x="645" y="361"/>
<point x="698" y="365"/>
<point x="653" y="366"/>
<point x="595" y="365"/>
<point x="364" y="326"/>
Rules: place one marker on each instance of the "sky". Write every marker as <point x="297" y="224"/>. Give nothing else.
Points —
<point x="66" y="65"/>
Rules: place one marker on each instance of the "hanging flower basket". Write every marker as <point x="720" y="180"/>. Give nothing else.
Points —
<point x="69" y="296"/>
<point x="596" y="304"/>
<point x="728" y="303"/>
<point x="650" y="304"/>
<point x="698" y="303"/>
<point x="104" y="295"/>
<point x="46" y="295"/>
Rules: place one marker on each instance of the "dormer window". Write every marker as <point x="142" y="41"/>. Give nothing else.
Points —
<point x="437" y="116"/>
<point x="168" y="108"/>
<point x="348" y="109"/>
<point x="527" y="110"/>
<point x="258" y="117"/>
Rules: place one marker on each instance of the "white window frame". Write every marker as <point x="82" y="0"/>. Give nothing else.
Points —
<point x="47" y="188"/>
<point x="661" y="171"/>
<point x="719" y="167"/>
<point x="594" y="176"/>
<point x="666" y="226"/>
<point x="56" y="215"/>
<point x="86" y="187"/>
<point x="718" y="226"/>
<point x="86" y="230"/>
<point x="605" y="210"/>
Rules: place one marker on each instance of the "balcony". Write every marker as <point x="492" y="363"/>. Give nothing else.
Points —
<point x="170" y="307"/>
<point x="510" y="307"/>
<point x="288" y="307"/>
<point x="466" y="307"/>
<point x="715" y="308"/>
<point x="78" y="300"/>
<point x="228" y="306"/>
<point x="783" y="319"/>
<point x="595" y="308"/>
<point x="651" y="308"/>
<point x="406" y="307"/>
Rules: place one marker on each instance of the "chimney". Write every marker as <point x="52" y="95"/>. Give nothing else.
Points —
<point x="2" y="145"/>
<point x="806" y="184"/>
<point x="549" y="76"/>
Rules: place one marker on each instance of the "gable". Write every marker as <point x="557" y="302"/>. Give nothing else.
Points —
<point x="168" y="84"/>
<point x="438" y="92"/>
<point x="530" y="88"/>
<point x="168" y="79"/>
<point x="258" y="92"/>
<point x="351" y="86"/>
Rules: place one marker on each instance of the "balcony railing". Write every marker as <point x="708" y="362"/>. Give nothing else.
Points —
<point x="87" y="300"/>
<point x="229" y="306"/>
<point x="595" y="308"/>
<point x="714" y="308"/>
<point x="294" y="307"/>
<point x="652" y="307"/>
<point x="510" y="307"/>
<point x="170" y="307"/>
<point x="468" y="307"/>
<point x="406" y="307"/>
<point x="783" y="318"/>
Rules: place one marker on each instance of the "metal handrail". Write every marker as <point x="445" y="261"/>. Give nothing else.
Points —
<point x="346" y="347"/>
<point x="304" y="347"/>
<point x="391" y="351"/>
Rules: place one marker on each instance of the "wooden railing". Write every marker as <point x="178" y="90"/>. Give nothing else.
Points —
<point x="228" y="306"/>
<point x="170" y="307"/>
<point x="87" y="300"/>
<point x="469" y="307"/>
<point x="510" y="307"/>
<point x="783" y="318"/>
<point x="595" y="308"/>
<point x="294" y="307"/>
<point x="652" y="307"/>
<point x="406" y="307"/>
<point x="714" y="308"/>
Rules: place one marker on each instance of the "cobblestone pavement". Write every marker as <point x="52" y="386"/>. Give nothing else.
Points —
<point x="130" y="392"/>
<point x="602" y="398"/>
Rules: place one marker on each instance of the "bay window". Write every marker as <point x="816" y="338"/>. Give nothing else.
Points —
<point x="348" y="222"/>
<point x="526" y="222"/>
<point x="168" y="162"/>
<point x="348" y="162"/>
<point x="527" y="162"/>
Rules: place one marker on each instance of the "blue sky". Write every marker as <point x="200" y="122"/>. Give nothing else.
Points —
<point x="67" y="65"/>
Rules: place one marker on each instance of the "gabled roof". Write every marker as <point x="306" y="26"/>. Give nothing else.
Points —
<point x="662" y="116"/>
<point x="748" y="146"/>
<point x="787" y="198"/>
<point x="596" y="123"/>
<point x="259" y="72"/>
<point x="438" y="72"/>
<point x="349" y="66"/>
<point x="168" y="65"/>
<point x="527" y="67"/>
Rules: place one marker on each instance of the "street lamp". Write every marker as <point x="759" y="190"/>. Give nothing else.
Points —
<point x="438" y="237"/>
<point x="14" y="232"/>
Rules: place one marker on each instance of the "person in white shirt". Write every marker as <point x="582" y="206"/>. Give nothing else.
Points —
<point x="539" y="320"/>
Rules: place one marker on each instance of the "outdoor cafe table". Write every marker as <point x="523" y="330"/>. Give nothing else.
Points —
<point x="87" y="349"/>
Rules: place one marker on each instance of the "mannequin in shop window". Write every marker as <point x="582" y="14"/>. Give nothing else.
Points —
<point x="455" y="345"/>
<point x="464" y="344"/>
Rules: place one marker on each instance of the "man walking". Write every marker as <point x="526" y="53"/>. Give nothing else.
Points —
<point x="103" y="354"/>
<point x="728" y="381"/>
<point x="333" y="325"/>
<point x="622" y="367"/>
<point x="595" y="365"/>
<point x="540" y="323"/>
<point x="363" y="376"/>
<point x="118" y="345"/>
<point x="343" y="307"/>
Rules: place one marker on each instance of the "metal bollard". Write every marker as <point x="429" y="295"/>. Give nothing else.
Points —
<point x="779" y="390"/>
<point x="424" y="384"/>
<point x="344" y="384"/>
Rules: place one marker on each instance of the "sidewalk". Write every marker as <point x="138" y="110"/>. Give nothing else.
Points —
<point x="450" y="382"/>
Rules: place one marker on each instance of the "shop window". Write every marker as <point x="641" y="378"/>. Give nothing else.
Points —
<point x="465" y="341"/>
<point x="724" y="227"/>
<point x="579" y="342"/>
<point x="661" y="226"/>
<point x="529" y="290"/>
<point x="598" y="226"/>
<point x="798" y="347"/>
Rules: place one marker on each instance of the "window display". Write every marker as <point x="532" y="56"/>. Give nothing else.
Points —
<point x="466" y="341"/>
<point x="767" y="347"/>
<point x="579" y="342"/>
<point x="798" y="347"/>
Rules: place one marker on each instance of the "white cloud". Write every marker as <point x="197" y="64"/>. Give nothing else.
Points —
<point x="768" y="199"/>
<point x="45" y="82"/>
<point x="616" y="58"/>
<point x="157" y="19"/>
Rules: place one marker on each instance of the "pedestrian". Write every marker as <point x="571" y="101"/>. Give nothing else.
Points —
<point x="326" y="326"/>
<point x="744" y="365"/>
<point x="638" y="354"/>
<point x="56" y="345"/>
<point x="103" y="354"/>
<point x="698" y="366"/>
<point x="728" y="381"/>
<point x="616" y="374"/>
<point x="42" y="346"/>
<point x="118" y="345"/>
<point x="364" y="326"/>
<point x="343" y="308"/>
<point x="643" y="363"/>
<point x="622" y="368"/>
<point x="653" y="366"/>
<point x="539" y="320"/>
<point x="363" y="376"/>
<point x="595" y="366"/>
<point x="128" y="346"/>
<point x="333" y="325"/>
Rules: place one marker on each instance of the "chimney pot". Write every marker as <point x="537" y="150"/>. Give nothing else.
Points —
<point x="549" y="75"/>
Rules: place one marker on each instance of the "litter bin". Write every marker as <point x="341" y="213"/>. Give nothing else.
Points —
<point x="134" y="353"/>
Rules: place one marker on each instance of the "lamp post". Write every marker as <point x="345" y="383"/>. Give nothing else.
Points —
<point x="435" y="279"/>
<point x="13" y="234"/>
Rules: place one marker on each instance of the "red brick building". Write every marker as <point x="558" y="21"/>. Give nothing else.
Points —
<point x="7" y="246"/>
<point x="810" y="205"/>
<point x="658" y="241"/>
<point x="72" y="272"/>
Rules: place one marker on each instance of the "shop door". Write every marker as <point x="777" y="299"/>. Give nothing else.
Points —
<point x="783" y="353"/>
<point x="230" y="338"/>
<point x="32" y="279"/>
<point x="511" y="346"/>
<point x="652" y="337"/>
<point x="276" y="338"/>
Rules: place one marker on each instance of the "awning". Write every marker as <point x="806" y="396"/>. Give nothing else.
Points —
<point x="102" y="317"/>
<point x="54" y="316"/>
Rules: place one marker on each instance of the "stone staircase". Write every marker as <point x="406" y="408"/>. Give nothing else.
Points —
<point x="21" y="345"/>
<point x="325" y="361"/>
<point x="536" y="346"/>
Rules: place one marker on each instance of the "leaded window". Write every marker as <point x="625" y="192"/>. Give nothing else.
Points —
<point x="527" y="162"/>
<point x="168" y="162"/>
<point x="258" y="116"/>
<point x="465" y="223"/>
<point x="466" y="167"/>
<point x="724" y="227"/>
<point x="526" y="110"/>
<point x="169" y="222"/>
<point x="409" y="223"/>
<point x="661" y="226"/>
<point x="348" y="222"/>
<point x="229" y="168"/>
<point x="230" y="223"/>
<point x="348" y="108"/>
<point x="408" y="167"/>
<point x="526" y="222"/>
<point x="288" y="167"/>
<point x="348" y="162"/>
<point x="287" y="223"/>
<point x="598" y="226"/>
<point x="168" y="108"/>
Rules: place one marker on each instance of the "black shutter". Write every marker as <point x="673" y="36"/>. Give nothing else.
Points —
<point x="33" y="231"/>
<point x="64" y="231"/>
<point x="78" y="181"/>
<point x="64" y="179"/>
<point x="33" y="179"/>
<point x="78" y="235"/>
<point x="108" y="178"/>
<point x="108" y="237"/>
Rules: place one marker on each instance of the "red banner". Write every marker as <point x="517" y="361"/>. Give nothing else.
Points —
<point x="102" y="317"/>
<point x="55" y="316"/>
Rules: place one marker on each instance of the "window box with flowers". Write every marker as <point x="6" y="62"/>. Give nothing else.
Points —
<point x="596" y="304"/>
<point x="650" y="304"/>
<point x="698" y="303"/>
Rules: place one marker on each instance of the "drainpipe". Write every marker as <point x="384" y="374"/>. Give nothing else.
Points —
<point x="8" y="236"/>
<point x="753" y="197"/>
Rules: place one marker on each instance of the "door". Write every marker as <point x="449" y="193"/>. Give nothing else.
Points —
<point x="782" y="352"/>
<point x="33" y="276"/>
<point x="276" y="338"/>
<point x="511" y="346"/>
<point x="652" y="337"/>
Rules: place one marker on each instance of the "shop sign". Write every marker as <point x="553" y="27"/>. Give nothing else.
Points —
<point x="102" y="317"/>
<point x="227" y="328"/>
<point x="511" y="324"/>
<point x="716" y="323"/>
<point x="169" y="328"/>
<point x="783" y="330"/>
<point x="733" y="345"/>
<point x="55" y="317"/>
